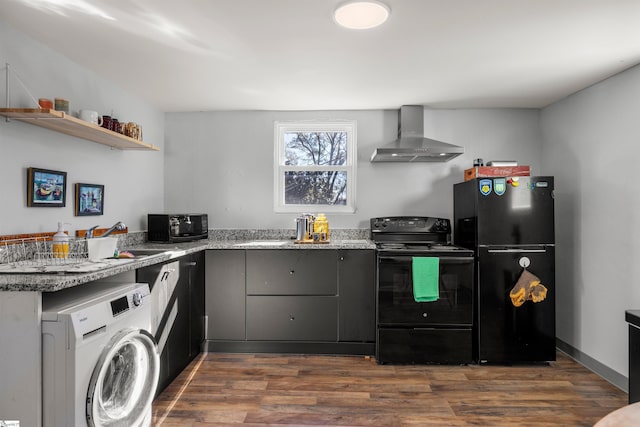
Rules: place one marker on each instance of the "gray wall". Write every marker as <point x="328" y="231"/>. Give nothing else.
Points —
<point x="222" y="162"/>
<point x="591" y="144"/>
<point x="133" y="179"/>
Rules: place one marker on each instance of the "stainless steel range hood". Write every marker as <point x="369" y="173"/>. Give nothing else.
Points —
<point x="411" y="145"/>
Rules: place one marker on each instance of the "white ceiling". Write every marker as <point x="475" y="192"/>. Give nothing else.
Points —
<point x="192" y="55"/>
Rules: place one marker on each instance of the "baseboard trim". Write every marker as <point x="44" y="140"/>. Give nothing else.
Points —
<point x="593" y="365"/>
<point x="341" y="348"/>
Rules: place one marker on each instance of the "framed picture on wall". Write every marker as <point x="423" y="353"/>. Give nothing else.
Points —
<point x="89" y="199"/>
<point x="46" y="188"/>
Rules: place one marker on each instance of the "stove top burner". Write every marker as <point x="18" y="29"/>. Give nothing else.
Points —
<point x="420" y="235"/>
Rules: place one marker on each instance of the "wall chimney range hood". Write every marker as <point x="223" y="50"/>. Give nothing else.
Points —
<point x="411" y="145"/>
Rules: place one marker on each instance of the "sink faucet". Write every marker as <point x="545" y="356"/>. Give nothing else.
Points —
<point x="89" y="233"/>
<point x="117" y="226"/>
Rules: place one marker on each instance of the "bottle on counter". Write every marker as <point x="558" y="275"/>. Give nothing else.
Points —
<point x="321" y="228"/>
<point x="60" y="242"/>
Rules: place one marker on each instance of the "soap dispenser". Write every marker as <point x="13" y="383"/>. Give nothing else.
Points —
<point x="60" y="242"/>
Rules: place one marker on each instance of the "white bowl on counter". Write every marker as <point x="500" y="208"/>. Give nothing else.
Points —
<point x="101" y="247"/>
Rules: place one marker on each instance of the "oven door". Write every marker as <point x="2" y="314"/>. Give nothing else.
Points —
<point x="397" y="307"/>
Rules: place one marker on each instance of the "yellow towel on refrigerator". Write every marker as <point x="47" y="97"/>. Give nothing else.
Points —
<point x="426" y="276"/>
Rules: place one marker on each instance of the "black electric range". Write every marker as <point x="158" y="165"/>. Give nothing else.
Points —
<point x="409" y="331"/>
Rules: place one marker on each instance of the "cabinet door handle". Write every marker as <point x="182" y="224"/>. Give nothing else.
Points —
<point x="291" y="271"/>
<point x="292" y="317"/>
<point x="341" y="258"/>
<point x="191" y="264"/>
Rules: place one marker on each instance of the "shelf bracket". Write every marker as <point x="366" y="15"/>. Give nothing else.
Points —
<point x="8" y="88"/>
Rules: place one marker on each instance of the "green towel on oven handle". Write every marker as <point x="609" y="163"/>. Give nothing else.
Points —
<point x="426" y="276"/>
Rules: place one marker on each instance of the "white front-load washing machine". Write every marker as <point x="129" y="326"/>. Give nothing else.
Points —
<point x="100" y="364"/>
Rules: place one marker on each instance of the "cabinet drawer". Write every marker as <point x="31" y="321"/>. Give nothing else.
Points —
<point x="292" y="318"/>
<point x="292" y="272"/>
<point x="438" y="346"/>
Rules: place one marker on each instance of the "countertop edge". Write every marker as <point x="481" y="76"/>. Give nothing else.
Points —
<point x="633" y="317"/>
<point x="58" y="281"/>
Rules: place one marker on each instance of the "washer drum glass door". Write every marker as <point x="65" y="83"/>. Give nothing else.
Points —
<point x="124" y="381"/>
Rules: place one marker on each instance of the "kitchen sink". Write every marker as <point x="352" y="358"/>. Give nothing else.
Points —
<point x="83" y="265"/>
<point x="263" y="243"/>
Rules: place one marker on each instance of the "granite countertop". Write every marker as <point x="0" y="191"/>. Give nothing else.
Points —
<point x="290" y="244"/>
<point x="51" y="282"/>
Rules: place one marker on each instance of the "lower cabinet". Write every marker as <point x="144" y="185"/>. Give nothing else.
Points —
<point x="357" y="304"/>
<point x="292" y="318"/>
<point x="177" y="298"/>
<point x="633" y="318"/>
<point x="288" y="300"/>
<point x="634" y="364"/>
<point x="225" y="294"/>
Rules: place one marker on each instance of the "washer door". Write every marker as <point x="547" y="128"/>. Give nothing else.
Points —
<point x="124" y="381"/>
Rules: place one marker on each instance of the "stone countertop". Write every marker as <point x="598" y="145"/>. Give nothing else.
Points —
<point x="41" y="282"/>
<point x="290" y="244"/>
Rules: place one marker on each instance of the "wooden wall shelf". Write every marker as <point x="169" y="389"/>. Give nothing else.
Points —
<point x="64" y="123"/>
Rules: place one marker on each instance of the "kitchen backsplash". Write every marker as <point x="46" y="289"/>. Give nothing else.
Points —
<point x="283" y="234"/>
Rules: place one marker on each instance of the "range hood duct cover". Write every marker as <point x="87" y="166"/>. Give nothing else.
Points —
<point x="411" y="145"/>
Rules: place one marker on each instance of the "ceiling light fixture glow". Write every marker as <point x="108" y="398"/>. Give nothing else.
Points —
<point x="361" y="15"/>
<point x="62" y="6"/>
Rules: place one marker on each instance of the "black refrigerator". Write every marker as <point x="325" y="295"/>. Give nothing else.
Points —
<point x="509" y="223"/>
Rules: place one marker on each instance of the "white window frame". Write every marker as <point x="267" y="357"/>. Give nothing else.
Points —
<point x="280" y="129"/>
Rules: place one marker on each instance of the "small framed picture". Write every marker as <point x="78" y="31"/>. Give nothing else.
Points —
<point x="46" y="188"/>
<point x="89" y="199"/>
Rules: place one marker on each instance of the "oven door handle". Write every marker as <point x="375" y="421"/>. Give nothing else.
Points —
<point x="443" y="259"/>
<point x="515" y="250"/>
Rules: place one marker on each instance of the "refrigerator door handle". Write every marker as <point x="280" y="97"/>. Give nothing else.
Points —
<point x="514" y="250"/>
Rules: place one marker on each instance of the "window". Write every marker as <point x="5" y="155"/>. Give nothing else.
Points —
<point x="315" y="166"/>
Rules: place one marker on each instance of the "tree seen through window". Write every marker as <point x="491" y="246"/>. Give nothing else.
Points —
<point x="305" y="187"/>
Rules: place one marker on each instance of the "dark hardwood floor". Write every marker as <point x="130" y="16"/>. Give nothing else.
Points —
<point x="288" y="390"/>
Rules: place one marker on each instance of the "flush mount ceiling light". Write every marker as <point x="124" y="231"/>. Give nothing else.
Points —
<point x="361" y="15"/>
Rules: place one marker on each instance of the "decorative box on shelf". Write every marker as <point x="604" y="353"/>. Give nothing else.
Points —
<point x="495" y="171"/>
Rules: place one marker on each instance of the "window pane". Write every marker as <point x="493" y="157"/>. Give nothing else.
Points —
<point x="315" y="188"/>
<point x="315" y="148"/>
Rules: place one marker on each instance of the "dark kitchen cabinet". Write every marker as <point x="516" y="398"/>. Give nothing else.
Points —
<point x="196" y="268"/>
<point x="292" y="272"/>
<point x="357" y="302"/>
<point x="291" y="300"/>
<point x="633" y="318"/>
<point x="182" y="321"/>
<point x="292" y="318"/>
<point x="225" y="294"/>
<point x="292" y="295"/>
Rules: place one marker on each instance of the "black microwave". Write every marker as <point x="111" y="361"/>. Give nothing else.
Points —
<point x="174" y="228"/>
